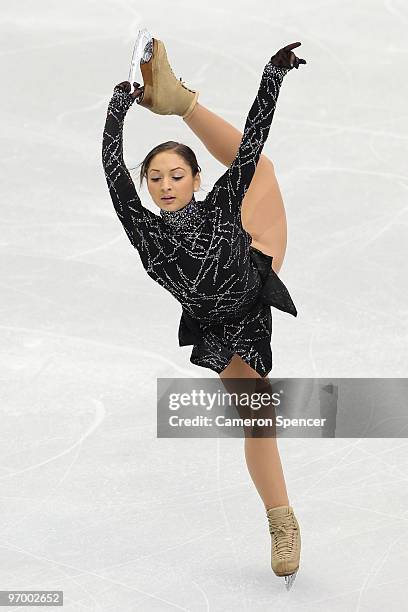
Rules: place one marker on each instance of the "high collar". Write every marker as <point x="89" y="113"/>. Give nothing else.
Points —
<point x="185" y="219"/>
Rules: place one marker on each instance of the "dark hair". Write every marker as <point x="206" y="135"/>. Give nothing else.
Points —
<point x="181" y="149"/>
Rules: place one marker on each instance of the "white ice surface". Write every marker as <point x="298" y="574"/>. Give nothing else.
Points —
<point x="91" y="501"/>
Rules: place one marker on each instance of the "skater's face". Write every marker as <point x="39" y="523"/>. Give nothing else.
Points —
<point x="169" y="174"/>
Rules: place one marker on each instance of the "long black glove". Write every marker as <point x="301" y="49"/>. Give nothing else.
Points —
<point x="126" y="88"/>
<point x="285" y="58"/>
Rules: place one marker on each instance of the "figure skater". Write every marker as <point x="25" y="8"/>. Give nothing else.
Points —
<point x="200" y="251"/>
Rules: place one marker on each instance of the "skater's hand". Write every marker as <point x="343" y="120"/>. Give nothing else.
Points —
<point x="122" y="99"/>
<point x="126" y="87"/>
<point x="285" y="58"/>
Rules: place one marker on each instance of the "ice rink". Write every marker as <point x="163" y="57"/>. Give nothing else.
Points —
<point x="92" y="502"/>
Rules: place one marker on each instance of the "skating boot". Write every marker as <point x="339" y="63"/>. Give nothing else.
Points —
<point x="163" y="93"/>
<point x="286" y="542"/>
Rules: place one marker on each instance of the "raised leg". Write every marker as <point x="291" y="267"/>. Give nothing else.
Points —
<point x="263" y="211"/>
<point x="261" y="454"/>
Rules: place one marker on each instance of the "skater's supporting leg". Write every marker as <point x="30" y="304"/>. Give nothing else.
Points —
<point x="263" y="211"/>
<point x="264" y="465"/>
<point x="261" y="454"/>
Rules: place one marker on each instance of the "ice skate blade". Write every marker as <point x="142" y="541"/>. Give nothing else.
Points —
<point x="142" y="52"/>
<point x="289" y="580"/>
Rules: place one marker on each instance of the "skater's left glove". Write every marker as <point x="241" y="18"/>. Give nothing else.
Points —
<point x="285" y="58"/>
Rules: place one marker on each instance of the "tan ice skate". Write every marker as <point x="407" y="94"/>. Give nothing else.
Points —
<point x="286" y="542"/>
<point x="163" y="93"/>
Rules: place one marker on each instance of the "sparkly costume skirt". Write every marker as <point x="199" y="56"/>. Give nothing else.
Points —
<point x="250" y="336"/>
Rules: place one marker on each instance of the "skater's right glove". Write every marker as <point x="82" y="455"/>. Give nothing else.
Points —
<point x="285" y="58"/>
<point x="122" y="99"/>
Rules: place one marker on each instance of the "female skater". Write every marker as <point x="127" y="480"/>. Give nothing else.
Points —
<point x="200" y="252"/>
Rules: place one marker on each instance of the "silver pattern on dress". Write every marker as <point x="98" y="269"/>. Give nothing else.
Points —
<point x="186" y="219"/>
<point x="201" y="253"/>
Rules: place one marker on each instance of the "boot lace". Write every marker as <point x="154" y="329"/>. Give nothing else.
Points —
<point x="180" y="79"/>
<point x="183" y="85"/>
<point x="283" y="531"/>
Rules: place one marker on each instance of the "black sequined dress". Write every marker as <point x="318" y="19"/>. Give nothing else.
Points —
<point x="201" y="254"/>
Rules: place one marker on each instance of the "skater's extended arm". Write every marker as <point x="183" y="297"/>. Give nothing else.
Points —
<point x="239" y="175"/>
<point x="132" y="214"/>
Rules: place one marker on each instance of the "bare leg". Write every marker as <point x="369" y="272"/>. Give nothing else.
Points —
<point x="261" y="454"/>
<point x="263" y="211"/>
<point x="263" y="216"/>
